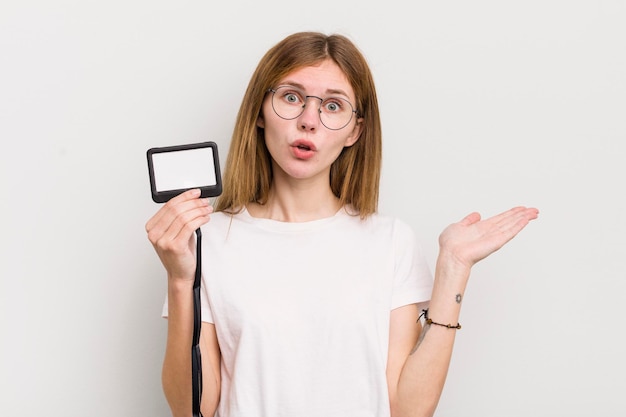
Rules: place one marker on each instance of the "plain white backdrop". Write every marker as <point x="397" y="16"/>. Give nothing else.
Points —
<point x="485" y="105"/>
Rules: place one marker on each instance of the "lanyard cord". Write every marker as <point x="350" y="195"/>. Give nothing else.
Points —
<point x="196" y="360"/>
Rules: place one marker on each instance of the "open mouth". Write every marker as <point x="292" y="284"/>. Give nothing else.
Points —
<point x="303" y="149"/>
<point x="304" y="145"/>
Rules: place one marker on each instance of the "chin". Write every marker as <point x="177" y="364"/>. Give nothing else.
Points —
<point x="299" y="172"/>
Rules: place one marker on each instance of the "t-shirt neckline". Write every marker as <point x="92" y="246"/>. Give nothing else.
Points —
<point x="281" y="226"/>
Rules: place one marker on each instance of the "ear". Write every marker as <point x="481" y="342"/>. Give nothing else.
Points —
<point x="260" y="122"/>
<point x="355" y="134"/>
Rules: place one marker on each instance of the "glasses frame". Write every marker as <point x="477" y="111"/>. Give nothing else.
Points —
<point x="305" y="98"/>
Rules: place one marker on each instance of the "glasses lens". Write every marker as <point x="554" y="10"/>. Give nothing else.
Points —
<point x="335" y="113"/>
<point x="288" y="103"/>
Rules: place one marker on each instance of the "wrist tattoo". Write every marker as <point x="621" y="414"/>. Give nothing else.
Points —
<point x="459" y="298"/>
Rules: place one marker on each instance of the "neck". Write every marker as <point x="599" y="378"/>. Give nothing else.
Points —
<point x="296" y="200"/>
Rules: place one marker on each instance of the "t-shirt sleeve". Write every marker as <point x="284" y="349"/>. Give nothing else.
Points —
<point x="206" y="314"/>
<point x="413" y="280"/>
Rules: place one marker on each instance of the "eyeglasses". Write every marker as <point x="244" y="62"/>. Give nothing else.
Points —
<point x="288" y="103"/>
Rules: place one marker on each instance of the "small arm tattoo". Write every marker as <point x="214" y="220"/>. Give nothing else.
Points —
<point x="459" y="298"/>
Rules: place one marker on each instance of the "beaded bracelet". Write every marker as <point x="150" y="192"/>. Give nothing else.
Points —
<point x="429" y="321"/>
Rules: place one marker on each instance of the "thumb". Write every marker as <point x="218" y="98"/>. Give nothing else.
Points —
<point x="470" y="219"/>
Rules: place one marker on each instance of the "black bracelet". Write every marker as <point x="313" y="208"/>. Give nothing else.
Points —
<point x="429" y="321"/>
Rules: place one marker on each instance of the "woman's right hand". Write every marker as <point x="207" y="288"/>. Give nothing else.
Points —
<point x="171" y="232"/>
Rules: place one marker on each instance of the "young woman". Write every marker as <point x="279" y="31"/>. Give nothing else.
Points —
<point x="310" y="299"/>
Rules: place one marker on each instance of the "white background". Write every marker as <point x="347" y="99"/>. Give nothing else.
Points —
<point x="485" y="105"/>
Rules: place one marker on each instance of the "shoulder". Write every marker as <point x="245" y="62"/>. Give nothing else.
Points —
<point x="388" y="224"/>
<point x="221" y="221"/>
<point x="220" y="217"/>
<point x="391" y="230"/>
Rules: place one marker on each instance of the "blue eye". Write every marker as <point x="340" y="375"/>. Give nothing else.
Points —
<point x="333" y="107"/>
<point x="292" y="97"/>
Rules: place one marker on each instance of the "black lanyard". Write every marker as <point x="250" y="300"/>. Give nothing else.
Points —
<point x="196" y="359"/>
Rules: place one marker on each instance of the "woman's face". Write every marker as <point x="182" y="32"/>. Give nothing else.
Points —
<point x="303" y="147"/>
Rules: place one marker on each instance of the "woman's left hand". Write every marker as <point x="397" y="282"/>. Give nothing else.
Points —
<point x="473" y="239"/>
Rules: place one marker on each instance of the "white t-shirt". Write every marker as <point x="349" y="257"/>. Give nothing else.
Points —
<point x="302" y="311"/>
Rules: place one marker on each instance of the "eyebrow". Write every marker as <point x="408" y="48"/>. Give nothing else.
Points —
<point x="328" y="91"/>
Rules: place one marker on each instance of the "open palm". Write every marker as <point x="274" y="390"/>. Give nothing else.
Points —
<point x="473" y="239"/>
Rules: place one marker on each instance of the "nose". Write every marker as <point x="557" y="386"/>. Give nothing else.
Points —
<point x="310" y="118"/>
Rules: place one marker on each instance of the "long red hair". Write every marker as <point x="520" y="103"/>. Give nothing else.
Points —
<point x="355" y="175"/>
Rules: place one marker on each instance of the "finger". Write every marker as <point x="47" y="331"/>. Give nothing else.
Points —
<point x="503" y="221"/>
<point x="516" y="216"/>
<point x="180" y="213"/>
<point x="470" y="219"/>
<point x="508" y="226"/>
<point x="187" y="222"/>
<point x="176" y="238"/>
<point x="186" y="196"/>
<point x="177" y="205"/>
<point x="506" y="215"/>
<point x="184" y="213"/>
<point x="520" y="220"/>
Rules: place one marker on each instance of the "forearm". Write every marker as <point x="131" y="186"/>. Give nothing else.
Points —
<point x="424" y="373"/>
<point x="176" y="376"/>
<point x="177" y="363"/>
<point x="461" y="245"/>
